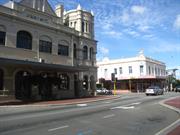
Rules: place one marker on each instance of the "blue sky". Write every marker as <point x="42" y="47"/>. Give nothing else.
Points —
<point x="124" y="27"/>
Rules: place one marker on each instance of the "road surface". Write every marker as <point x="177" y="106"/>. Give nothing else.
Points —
<point x="131" y="114"/>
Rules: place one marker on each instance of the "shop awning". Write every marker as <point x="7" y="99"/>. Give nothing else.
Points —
<point x="41" y="66"/>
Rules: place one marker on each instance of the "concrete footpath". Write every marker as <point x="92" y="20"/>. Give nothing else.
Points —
<point x="174" y="128"/>
<point x="58" y="102"/>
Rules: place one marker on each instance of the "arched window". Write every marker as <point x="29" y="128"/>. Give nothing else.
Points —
<point x="24" y="40"/>
<point x="1" y="79"/>
<point x="91" y="53"/>
<point x="45" y="44"/>
<point x="85" y="53"/>
<point x="74" y="51"/>
<point x="2" y="35"/>
<point x="85" y="82"/>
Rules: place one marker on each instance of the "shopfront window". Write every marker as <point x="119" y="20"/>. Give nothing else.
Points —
<point x="63" y="82"/>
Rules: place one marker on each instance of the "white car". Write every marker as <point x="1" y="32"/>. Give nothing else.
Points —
<point x="154" y="90"/>
<point x="103" y="91"/>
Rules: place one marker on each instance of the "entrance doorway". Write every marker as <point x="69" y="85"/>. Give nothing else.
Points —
<point x="76" y="90"/>
<point x="23" y="85"/>
<point x="45" y="86"/>
<point x="1" y="79"/>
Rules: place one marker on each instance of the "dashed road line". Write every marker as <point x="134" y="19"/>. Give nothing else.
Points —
<point x="123" y="107"/>
<point x="108" y="116"/>
<point x="58" y="128"/>
<point x="81" y="105"/>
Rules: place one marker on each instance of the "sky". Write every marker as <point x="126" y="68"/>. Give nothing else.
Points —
<point x="124" y="27"/>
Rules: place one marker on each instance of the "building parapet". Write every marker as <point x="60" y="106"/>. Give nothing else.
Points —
<point x="46" y="20"/>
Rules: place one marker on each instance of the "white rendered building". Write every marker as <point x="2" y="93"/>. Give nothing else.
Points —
<point x="135" y="74"/>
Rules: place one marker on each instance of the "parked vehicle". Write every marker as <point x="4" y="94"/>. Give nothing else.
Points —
<point x="154" y="90"/>
<point x="177" y="89"/>
<point x="103" y="91"/>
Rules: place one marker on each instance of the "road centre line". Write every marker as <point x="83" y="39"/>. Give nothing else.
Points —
<point x="108" y="116"/>
<point x="62" y="127"/>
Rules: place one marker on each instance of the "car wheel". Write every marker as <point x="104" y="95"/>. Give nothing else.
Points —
<point x="147" y="94"/>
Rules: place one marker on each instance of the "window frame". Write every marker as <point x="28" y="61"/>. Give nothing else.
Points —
<point x="24" y="40"/>
<point x="85" y="53"/>
<point x="45" y="46"/>
<point x="120" y="71"/>
<point x="63" y="50"/>
<point x="3" y="38"/>
<point x="130" y="70"/>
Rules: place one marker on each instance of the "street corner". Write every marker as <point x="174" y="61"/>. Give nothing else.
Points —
<point x="172" y="103"/>
<point x="175" y="102"/>
<point x="176" y="131"/>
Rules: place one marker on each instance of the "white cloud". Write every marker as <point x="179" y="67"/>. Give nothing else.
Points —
<point x="125" y="18"/>
<point x="114" y="34"/>
<point x="165" y="48"/>
<point x="131" y="32"/>
<point x="149" y="37"/>
<point x="144" y="28"/>
<point x="138" y="9"/>
<point x="107" y="26"/>
<point x="177" y="22"/>
<point x="104" y="51"/>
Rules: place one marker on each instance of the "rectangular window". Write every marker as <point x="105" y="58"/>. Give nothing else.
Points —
<point x="86" y="27"/>
<point x="130" y="69"/>
<point x="152" y="70"/>
<point x="45" y="46"/>
<point x="155" y="71"/>
<point x="120" y="70"/>
<point x="105" y="73"/>
<point x="115" y="70"/>
<point x="2" y="37"/>
<point x="82" y="26"/>
<point x="149" y="70"/>
<point x="141" y="69"/>
<point x="63" y="50"/>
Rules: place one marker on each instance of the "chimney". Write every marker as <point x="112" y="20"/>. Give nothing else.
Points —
<point x="59" y="10"/>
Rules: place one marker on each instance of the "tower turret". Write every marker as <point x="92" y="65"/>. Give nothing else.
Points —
<point x="80" y="20"/>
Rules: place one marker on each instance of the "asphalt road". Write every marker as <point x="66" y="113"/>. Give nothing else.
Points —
<point x="133" y="114"/>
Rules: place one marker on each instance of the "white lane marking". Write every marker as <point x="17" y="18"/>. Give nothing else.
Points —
<point x="81" y="105"/>
<point x="128" y="106"/>
<point x="62" y="127"/>
<point x="123" y="107"/>
<point x="137" y="103"/>
<point x="107" y="102"/>
<point x="108" y="116"/>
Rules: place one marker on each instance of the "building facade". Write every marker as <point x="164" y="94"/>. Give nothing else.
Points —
<point x="134" y="74"/>
<point x="46" y="54"/>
